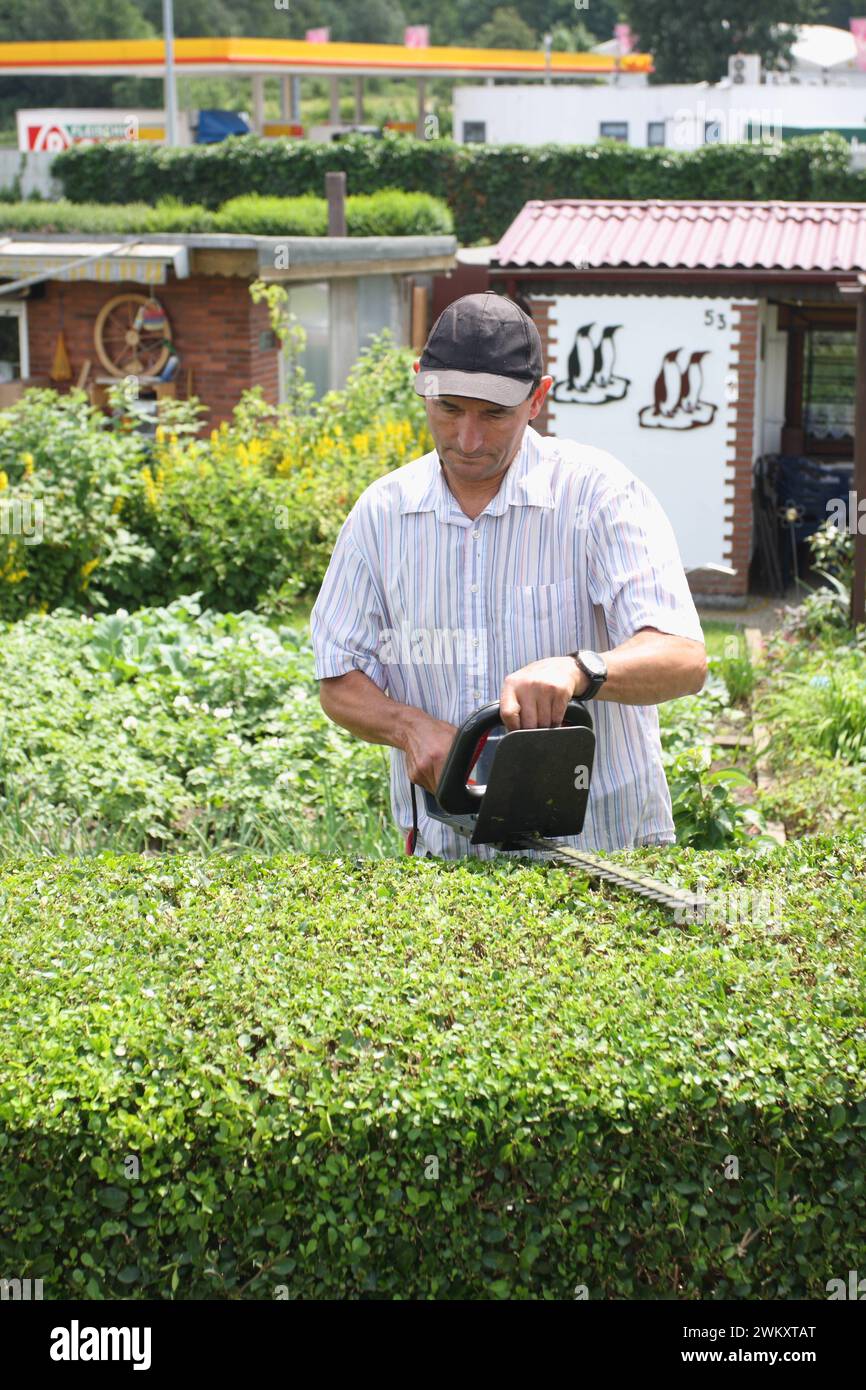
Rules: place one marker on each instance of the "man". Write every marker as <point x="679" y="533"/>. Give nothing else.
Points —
<point x="552" y="562"/>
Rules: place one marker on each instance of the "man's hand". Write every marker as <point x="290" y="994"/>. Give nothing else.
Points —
<point x="426" y="742"/>
<point x="536" y="696"/>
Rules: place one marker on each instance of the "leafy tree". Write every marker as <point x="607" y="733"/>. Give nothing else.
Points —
<point x="695" y="47"/>
<point x="575" y="38"/>
<point x="505" y="29"/>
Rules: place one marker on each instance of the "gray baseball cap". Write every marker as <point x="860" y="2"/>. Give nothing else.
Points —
<point x="482" y="345"/>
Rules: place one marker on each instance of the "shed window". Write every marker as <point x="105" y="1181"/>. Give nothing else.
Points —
<point x="614" y="130"/>
<point x="310" y="304"/>
<point x="829" y="387"/>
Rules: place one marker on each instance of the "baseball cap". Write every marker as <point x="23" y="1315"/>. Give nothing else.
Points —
<point x="482" y="345"/>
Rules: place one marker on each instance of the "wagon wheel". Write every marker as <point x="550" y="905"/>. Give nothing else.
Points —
<point x="127" y="346"/>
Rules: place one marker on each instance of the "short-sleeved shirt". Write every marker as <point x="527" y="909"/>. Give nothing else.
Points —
<point x="437" y="608"/>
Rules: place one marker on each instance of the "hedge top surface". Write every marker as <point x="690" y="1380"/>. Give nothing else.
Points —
<point x="397" y="987"/>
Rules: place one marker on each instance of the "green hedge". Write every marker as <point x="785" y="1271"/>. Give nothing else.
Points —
<point x="340" y="1078"/>
<point x="484" y="185"/>
<point x="390" y="212"/>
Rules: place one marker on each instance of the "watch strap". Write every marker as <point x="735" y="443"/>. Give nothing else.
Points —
<point x="595" y="682"/>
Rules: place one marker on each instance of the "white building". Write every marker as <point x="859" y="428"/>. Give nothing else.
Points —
<point x="824" y="88"/>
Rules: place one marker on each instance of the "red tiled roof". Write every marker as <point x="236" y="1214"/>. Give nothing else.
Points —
<point x="598" y="233"/>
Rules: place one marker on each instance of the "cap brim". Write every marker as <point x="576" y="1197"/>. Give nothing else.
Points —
<point x="484" y="386"/>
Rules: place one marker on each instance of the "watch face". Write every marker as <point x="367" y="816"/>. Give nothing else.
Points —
<point x="593" y="663"/>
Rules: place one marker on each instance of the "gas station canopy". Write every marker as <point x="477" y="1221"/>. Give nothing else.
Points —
<point x="289" y="57"/>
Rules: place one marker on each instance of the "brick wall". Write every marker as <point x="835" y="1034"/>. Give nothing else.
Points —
<point x="215" y="326"/>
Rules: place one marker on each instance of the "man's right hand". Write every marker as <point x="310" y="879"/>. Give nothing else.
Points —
<point x="426" y="742"/>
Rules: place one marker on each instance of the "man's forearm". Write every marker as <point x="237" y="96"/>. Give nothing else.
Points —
<point x="356" y="703"/>
<point x="651" y="667"/>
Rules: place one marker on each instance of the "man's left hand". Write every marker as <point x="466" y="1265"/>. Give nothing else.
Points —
<point x="536" y="696"/>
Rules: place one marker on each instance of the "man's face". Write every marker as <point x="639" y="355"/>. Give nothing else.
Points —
<point x="475" y="439"/>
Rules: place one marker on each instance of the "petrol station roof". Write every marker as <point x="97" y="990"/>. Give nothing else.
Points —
<point x="242" y="56"/>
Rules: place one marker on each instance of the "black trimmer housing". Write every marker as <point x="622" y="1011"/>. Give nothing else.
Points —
<point x="530" y="781"/>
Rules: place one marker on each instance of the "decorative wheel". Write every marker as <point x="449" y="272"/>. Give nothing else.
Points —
<point x="129" y="336"/>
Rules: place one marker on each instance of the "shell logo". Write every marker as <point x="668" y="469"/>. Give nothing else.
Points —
<point x="52" y="138"/>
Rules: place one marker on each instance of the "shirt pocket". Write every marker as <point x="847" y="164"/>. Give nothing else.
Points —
<point x="538" y="621"/>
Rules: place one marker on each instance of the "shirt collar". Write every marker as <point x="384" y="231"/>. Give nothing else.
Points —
<point x="526" y="483"/>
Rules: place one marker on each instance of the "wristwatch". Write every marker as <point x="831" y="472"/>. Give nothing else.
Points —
<point x="592" y="666"/>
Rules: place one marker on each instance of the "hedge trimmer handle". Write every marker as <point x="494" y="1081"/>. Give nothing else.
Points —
<point x="452" y="793"/>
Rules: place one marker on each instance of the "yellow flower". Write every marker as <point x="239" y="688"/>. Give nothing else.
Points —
<point x="27" y="460"/>
<point x="150" y="491"/>
<point x="88" y="567"/>
<point x="117" y="505"/>
<point x="4" y="481"/>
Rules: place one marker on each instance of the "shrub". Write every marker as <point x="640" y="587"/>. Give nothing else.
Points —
<point x="261" y="501"/>
<point x="343" y="1079"/>
<point x="250" y="511"/>
<point x="106" y="219"/>
<point x="484" y="185"/>
<point x="389" y="213"/>
<point x="64" y="465"/>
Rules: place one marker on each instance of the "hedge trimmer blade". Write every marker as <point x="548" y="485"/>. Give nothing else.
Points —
<point x="690" y="907"/>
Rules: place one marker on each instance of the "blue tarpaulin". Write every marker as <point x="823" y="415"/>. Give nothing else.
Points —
<point x="216" y="125"/>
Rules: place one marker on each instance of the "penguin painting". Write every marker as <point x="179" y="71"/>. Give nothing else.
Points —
<point x="581" y="360"/>
<point x="668" y="384"/>
<point x="678" y="402"/>
<point x="692" y="383"/>
<point x="591" y="377"/>
<point x="605" y="356"/>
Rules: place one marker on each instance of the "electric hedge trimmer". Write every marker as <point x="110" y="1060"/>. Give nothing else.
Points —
<point x="532" y="787"/>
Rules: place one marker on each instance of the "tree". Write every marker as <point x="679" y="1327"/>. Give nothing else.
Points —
<point x="505" y="29"/>
<point x="693" y="43"/>
<point x="575" y="38"/>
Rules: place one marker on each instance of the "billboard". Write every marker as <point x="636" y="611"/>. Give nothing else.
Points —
<point x="56" y="129"/>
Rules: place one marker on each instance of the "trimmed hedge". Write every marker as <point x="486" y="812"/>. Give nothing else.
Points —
<point x="390" y="212"/>
<point x="484" y="185"/>
<point x="340" y="1078"/>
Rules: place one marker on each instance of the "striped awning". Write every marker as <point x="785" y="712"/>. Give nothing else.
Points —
<point x="142" y="263"/>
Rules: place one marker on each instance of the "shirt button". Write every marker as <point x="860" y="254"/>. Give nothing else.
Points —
<point x="475" y="535"/>
<point x="473" y="588"/>
<point x="476" y="640"/>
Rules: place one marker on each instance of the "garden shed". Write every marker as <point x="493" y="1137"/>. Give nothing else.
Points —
<point x="693" y="339"/>
<point x="93" y="309"/>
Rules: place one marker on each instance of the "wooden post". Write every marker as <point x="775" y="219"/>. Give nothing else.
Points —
<point x="335" y="192"/>
<point x="335" y="101"/>
<point x="858" y="588"/>
<point x="420" y="299"/>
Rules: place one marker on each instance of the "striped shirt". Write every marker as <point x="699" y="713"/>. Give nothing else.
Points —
<point x="437" y="608"/>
